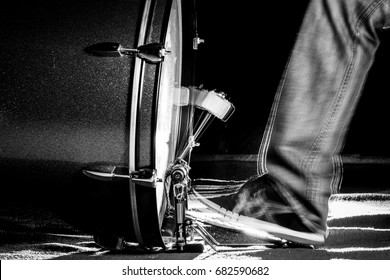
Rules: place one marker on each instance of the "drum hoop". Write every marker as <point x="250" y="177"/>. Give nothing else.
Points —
<point x="137" y="86"/>
<point x="140" y="67"/>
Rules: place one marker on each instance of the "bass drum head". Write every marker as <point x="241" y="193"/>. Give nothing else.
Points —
<point x="169" y="103"/>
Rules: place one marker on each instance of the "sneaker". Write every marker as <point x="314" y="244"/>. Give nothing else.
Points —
<point x="260" y="204"/>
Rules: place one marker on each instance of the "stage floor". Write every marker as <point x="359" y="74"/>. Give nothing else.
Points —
<point x="359" y="230"/>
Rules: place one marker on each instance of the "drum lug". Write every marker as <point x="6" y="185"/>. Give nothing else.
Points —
<point x="107" y="172"/>
<point x="153" y="53"/>
<point x="143" y="177"/>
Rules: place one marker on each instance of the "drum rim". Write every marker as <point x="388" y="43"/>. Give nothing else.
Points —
<point x="133" y="123"/>
<point x="137" y="91"/>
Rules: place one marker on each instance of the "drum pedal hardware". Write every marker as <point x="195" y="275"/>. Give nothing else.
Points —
<point x="178" y="226"/>
<point x="179" y="174"/>
<point x="153" y="53"/>
<point x="203" y="233"/>
<point x="180" y="182"/>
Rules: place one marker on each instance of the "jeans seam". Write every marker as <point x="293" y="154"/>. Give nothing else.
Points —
<point x="313" y="150"/>
<point x="367" y="12"/>
<point x="261" y="161"/>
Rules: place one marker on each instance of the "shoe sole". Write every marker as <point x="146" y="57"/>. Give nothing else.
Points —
<point x="254" y="227"/>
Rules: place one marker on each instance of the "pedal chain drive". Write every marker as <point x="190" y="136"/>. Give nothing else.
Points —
<point x="180" y="181"/>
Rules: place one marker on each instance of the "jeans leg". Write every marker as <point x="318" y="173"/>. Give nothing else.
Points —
<point x="316" y="100"/>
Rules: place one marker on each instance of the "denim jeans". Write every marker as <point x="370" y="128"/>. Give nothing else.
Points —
<point x="316" y="99"/>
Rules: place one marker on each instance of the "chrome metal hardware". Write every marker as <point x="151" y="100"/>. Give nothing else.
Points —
<point x="143" y="177"/>
<point x="196" y="41"/>
<point x="153" y="53"/>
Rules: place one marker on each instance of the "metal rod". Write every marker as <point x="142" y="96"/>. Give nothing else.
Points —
<point x="193" y="138"/>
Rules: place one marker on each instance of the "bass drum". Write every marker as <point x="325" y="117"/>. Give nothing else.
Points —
<point x="159" y="117"/>
<point x="64" y="111"/>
